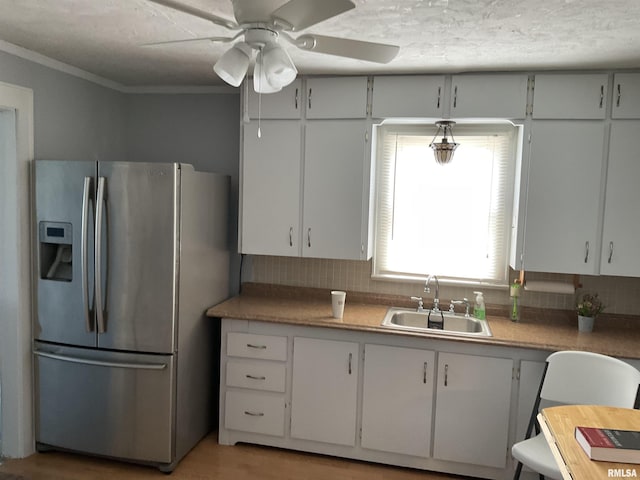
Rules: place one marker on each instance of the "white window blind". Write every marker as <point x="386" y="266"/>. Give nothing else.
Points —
<point x="450" y="220"/>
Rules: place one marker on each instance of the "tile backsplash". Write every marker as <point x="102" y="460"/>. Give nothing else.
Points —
<point x="621" y="295"/>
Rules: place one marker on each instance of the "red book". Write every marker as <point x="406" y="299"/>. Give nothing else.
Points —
<point x="609" y="445"/>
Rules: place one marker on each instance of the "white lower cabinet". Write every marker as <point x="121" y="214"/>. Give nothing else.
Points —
<point x="324" y="390"/>
<point x="414" y="402"/>
<point x="397" y="399"/>
<point x="472" y="409"/>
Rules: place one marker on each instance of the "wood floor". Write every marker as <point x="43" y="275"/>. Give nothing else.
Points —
<point x="210" y="461"/>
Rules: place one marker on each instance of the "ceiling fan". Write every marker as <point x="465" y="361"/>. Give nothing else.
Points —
<point x="261" y="27"/>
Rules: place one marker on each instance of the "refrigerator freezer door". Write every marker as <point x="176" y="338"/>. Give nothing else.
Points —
<point x="105" y="403"/>
<point x="62" y="202"/>
<point x="136" y="256"/>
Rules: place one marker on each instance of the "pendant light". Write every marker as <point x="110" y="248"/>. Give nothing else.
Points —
<point x="443" y="151"/>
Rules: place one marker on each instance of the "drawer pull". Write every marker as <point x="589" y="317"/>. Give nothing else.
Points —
<point x="424" y="373"/>
<point x="446" y="375"/>
<point x="254" y="414"/>
<point x="254" y="377"/>
<point x="259" y="347"/>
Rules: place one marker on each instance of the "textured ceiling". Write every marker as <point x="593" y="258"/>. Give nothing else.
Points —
<point x="105" y="37"/>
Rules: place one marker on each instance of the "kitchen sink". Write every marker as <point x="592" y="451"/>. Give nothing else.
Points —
<point x="452" y="324"/>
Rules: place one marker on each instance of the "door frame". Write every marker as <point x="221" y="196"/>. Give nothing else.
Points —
<point x="16" y="295"/>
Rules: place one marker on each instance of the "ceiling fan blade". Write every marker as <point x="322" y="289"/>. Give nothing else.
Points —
<point x="297" y="15"/>
<point x="342" y="47"/>
<point x="186" y="40"/>
<point x="181" y="7"/>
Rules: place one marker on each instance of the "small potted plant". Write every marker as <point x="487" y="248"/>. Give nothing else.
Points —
<point x="589" y="306"/>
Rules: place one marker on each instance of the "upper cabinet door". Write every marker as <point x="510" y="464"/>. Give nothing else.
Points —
<point x="334" y="190"/>
<point x="576" y="96"/>
<point x="626" y="95"/>
<point x="287" y="103"/>
<point x="621" y="226"/>
<point x="337" y="97"/>
<point x="563" y="200"/>
<point x="489" y="96"/>
<point x="270" y="189"/>
<point x="408" y="96"/>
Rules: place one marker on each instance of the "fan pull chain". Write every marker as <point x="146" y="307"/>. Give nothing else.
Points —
<point x="259" y="95"/>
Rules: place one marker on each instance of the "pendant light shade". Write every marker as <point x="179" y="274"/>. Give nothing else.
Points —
<point x="278" y="66"/>
<point x="443" y="150"/>
<point x="261" y="83"/>
<point x="233" y="65"/>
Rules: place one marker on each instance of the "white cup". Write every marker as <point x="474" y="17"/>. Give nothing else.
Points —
<point x="337" y="303"/>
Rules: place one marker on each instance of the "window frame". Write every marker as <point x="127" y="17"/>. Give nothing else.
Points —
<point x="512" y="193"/>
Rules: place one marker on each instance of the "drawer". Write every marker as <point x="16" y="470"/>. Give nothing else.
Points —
<point x="264" y="347"/>
<point x="256" y="375"/>
<point x="254" y="412"/>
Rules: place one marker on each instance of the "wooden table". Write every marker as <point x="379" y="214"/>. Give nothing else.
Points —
<point x="558" y="425"/>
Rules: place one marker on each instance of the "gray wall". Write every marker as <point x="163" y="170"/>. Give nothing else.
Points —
<point x="73" y="118"/>
<point x="200" y="129"/>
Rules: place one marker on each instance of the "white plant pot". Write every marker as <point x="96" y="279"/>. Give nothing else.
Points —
<point x="585" y="324"/>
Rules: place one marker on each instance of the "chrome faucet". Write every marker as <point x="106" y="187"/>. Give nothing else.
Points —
<point x="436" y="297"/>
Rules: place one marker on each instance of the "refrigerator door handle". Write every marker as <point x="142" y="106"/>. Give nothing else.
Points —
<point x="98" y="254"/>
<point x="99" y="363"/>
<point x="84" y="253"/>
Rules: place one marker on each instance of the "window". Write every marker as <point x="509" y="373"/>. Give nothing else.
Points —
<point x="452" y="220"/>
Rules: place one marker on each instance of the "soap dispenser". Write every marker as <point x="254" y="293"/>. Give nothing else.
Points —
<point x="479" y="310"/>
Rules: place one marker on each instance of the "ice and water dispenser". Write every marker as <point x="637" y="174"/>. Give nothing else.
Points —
<point x="56" y="251"/>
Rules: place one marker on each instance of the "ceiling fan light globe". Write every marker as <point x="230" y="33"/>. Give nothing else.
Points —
<point x="260" y="82"/>
<point x="233" y="65"/>
<point x="278" y="66"/>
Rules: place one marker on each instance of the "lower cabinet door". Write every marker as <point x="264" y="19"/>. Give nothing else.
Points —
<point x="324" y="390"/>
<point x="254" y="412"/>
<point x="397" y="399"/>
<point x="472" y="409"/>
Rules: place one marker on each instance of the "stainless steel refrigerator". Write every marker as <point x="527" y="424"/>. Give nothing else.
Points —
<point x="128" y="258"/>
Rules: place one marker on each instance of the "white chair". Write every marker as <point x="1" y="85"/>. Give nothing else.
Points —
<point x="575" y="378"/>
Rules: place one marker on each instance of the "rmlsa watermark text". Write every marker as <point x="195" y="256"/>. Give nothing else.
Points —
<point x="622" y="473"/>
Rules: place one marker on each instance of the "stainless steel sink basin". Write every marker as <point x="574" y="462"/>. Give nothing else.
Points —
<point x="452" y="324"/>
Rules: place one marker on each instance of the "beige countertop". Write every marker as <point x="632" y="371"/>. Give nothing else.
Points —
<point x="542" y="329"/>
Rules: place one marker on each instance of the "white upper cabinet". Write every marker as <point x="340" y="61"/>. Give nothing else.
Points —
<point x="489" y="96"/>
<point x="336" y="181"/>
<point x="270" y="189"/>
<point x="563" y="201"/>
<point x="408" y="96"/>
<point x="337" y="97"/>
<point x="574" y="96"/>
<point x="286" y="103"/>
<point x="620" y="246"/>
<point x="626" y="95"/>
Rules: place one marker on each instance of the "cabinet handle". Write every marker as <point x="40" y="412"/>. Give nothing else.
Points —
<point x="259" y="347"/>
<point x="254" y="414"/>
<point x="586" y="251"/>
<point x="618" y="96"/>
<point x="455" y="96"/>
<point x="295" y="100"/>
<point x="610" y="252"/>
<point x="309" y="237"/>
<point x="350" y="358"/>
<point x="424" y="373"/>
<point x="254" y="377"/>
<point x="446" y="374"/>
<point x="439" y="91"/>
<point x="309" y="97"/>
<point x="291" y="236"/>
<point x="601" y="95"/>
